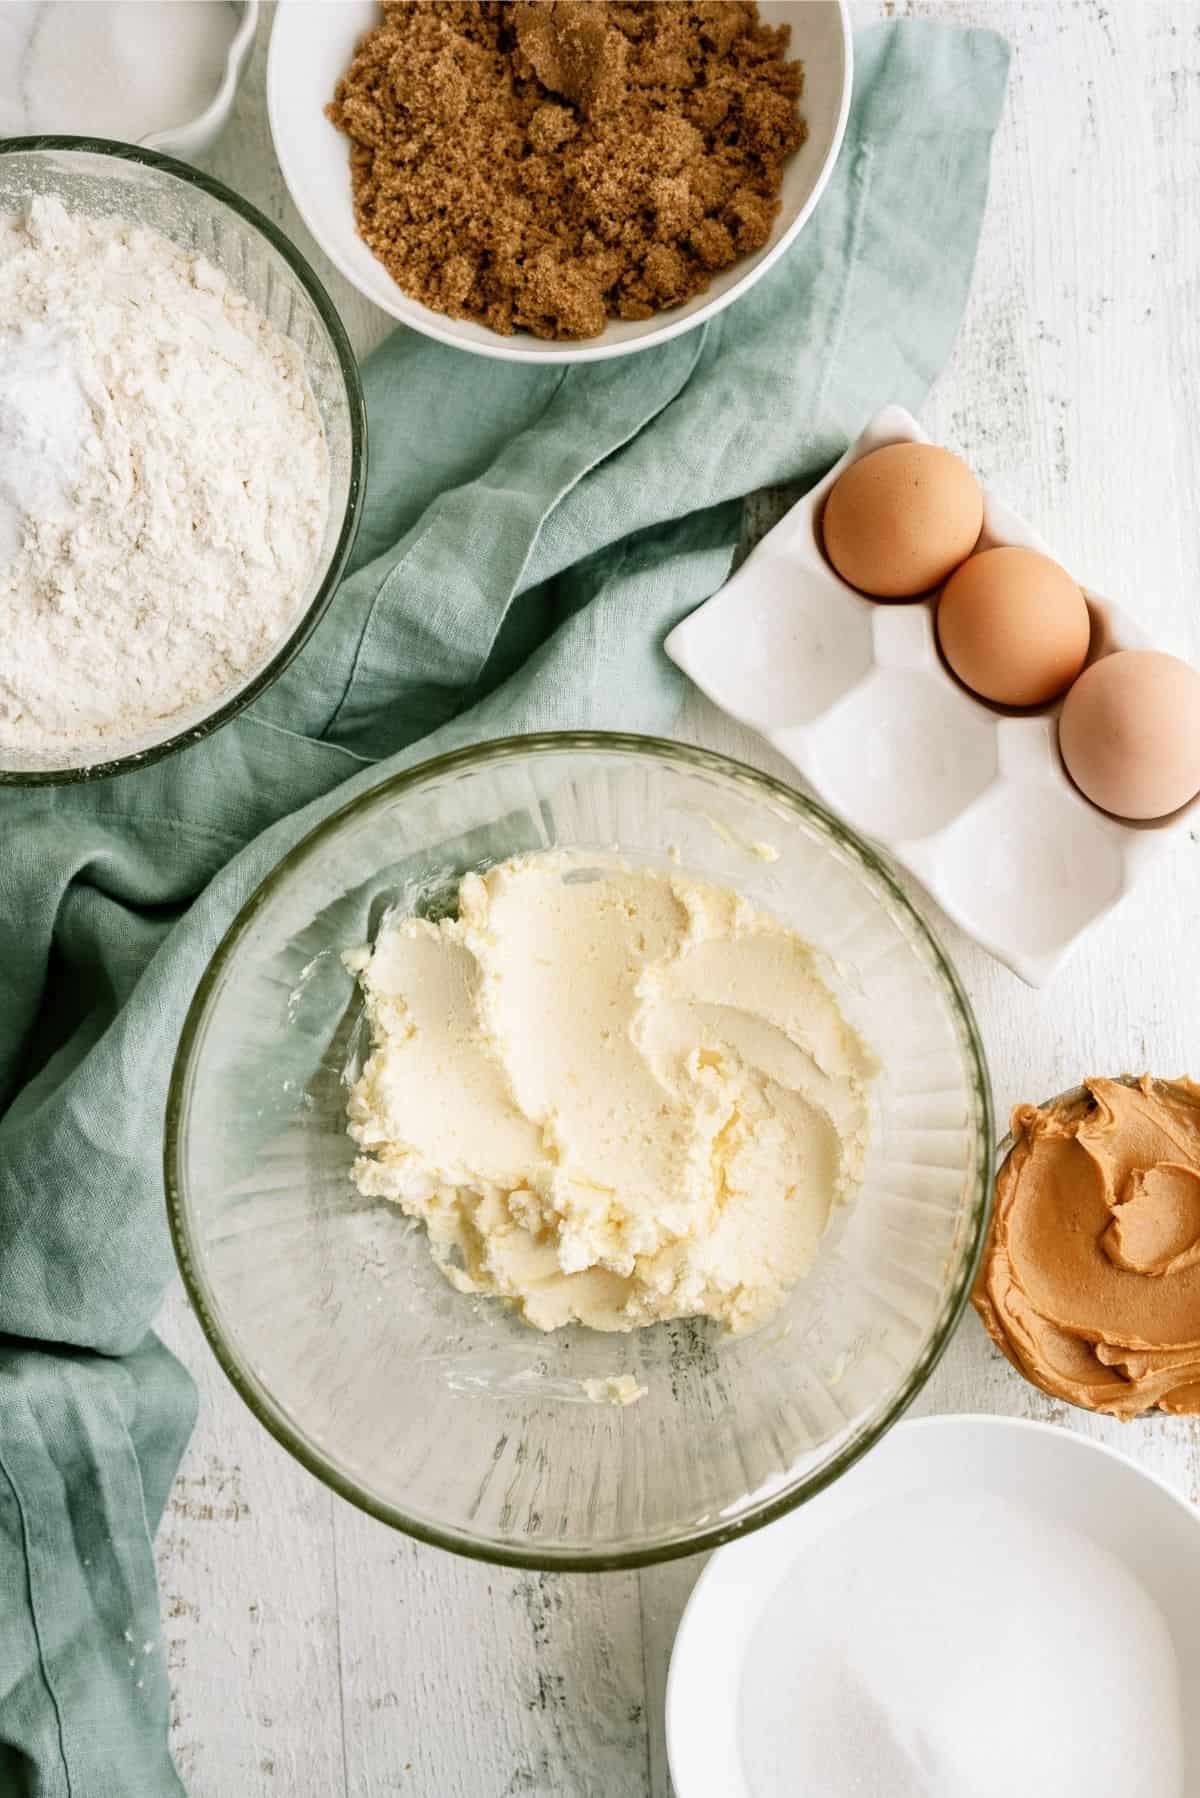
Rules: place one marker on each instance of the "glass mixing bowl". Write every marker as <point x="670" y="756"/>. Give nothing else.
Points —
<point x="445" y="1415"/>
<point x="207" y="218"/>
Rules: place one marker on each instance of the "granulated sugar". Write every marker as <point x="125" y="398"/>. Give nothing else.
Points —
<point x="960" y="1647"/>
<point x="120" y="69"/>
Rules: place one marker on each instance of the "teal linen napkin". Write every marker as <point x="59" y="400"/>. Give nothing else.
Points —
<point x="530" y="536"/>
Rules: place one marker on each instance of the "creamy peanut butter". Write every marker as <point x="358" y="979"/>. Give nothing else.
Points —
<point x="1091" y="1277"/>
<point x="611" y="1094"/>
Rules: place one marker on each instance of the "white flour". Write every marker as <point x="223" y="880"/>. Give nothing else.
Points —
<point x="44" y="418"/>
<point x="960" y="1647"/>
<point x="164" y="482"/>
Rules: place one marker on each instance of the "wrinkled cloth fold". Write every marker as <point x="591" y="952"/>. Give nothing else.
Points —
<point x="529" y="537"/>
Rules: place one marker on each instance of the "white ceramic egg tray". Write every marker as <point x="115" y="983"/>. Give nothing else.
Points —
<point x="972" y="799"/>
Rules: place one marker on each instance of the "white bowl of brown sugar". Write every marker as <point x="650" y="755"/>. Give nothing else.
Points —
<point x="557" y="180"/>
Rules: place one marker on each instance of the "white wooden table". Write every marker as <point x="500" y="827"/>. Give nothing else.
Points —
<point x="315" y="1653"/>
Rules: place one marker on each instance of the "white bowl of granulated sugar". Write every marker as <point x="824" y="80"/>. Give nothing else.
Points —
<point x="983" y="1607"/>
<point x="162" y="76"/>
<point x="182" y="448"/>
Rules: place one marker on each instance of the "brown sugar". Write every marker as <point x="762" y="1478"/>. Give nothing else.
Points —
<point x="547" y="165"/>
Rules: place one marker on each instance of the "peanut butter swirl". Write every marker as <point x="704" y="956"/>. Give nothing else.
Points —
<point x="1091" y="1279"/>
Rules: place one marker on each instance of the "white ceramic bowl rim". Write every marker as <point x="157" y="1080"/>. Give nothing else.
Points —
<point x="174" y="138"/>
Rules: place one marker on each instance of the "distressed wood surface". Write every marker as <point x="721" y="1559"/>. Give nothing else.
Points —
<point x="313" y="1652"/>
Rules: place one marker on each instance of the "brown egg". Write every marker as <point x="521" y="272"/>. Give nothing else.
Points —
<point x="1130" y="733"/>
<point x="1014" y="626"/>
<point x="899" y="520"/>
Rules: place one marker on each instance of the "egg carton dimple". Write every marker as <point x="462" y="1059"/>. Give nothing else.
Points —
<point x="970" y="798"/>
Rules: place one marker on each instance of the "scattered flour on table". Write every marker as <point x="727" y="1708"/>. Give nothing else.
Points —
<point x="960" y="1647"/>
<point x="164" y="481"/>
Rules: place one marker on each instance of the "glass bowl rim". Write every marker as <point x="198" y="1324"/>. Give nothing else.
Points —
<point x="328" y="313"/>
<point x="271" y="1414"/>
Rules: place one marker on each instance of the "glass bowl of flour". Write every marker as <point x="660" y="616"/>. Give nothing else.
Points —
<point x="182" y="453"/>
<point x="578" y="1150"/>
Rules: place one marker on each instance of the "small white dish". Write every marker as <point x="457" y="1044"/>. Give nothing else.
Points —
<point x="194" y="137"/>
<point x="1068" y="1479"/>
<point x="972" y="799"/>
<point x="312" y="43"/>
